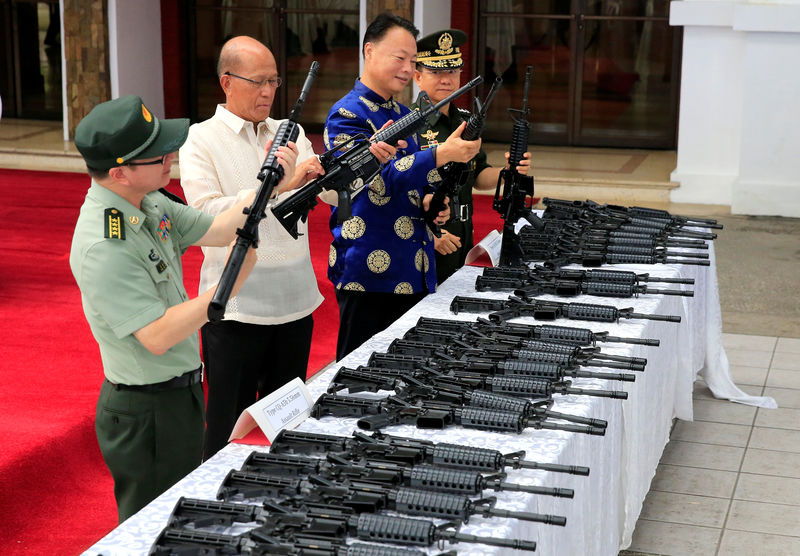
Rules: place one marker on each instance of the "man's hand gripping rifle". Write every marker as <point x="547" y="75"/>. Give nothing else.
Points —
<point x="356" y="166"/>
<point x="513" y="204"/>
<point x="270" y="175"/>
<point x="456" y="174"/>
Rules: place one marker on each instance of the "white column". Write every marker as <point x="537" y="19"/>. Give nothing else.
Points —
<point x="134" y="41"/>
<point x="739" y="126"/>
<point x="430" y="16"/>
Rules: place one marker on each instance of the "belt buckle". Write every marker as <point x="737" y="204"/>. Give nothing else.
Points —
<point x="462" y="212"/>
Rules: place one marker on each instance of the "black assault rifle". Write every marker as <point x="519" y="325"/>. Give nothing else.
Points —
<point x="184" y="542"/>
<point x="270" y="175"/>
<point x="404" y="450"/>
<point x="514" y="203"/>
<point x="514" y="377"/>
<point x="547" y="332"/>
<point x="356" y="166"/>
<point x="456" y="174"/>
<point x="425" y="383"/>
<point x="328" y="482"/>
<point x="540" y="352"/>
<point x="339" y="468"/>
<point x="285" y="524"/>
<point x="428" y="414"/>
<point x="566" y="353"/>
<point x="513" y="307"/>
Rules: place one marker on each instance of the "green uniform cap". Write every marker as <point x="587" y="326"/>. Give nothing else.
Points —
<point x="440" y="50"/>
<point x="123" y="129"/>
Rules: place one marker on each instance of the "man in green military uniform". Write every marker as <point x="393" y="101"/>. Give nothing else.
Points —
<point x="126" y="258"/>
<point x="438" y="74"/>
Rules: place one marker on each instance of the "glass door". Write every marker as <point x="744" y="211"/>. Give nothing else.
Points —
<point x="30" y="59"/>
<point x="297" y="32"/>
<point x="627" y="57"/>
<point x="513" y="35"/>
<point x="605" y="72"/>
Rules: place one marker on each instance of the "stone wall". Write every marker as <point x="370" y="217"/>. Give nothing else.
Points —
<point x="86" y="57"/>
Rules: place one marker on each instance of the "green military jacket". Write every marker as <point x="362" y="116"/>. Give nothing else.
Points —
<point x="127" y="263"/>
<point x="439" y="128"/>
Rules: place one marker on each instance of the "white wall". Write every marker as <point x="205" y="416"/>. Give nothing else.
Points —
<point x="430" y="16"/>
<point x="739" y="126"/>
<point x="134" y="41"/>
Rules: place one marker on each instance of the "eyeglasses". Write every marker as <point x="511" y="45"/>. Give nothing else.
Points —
<point x="440" y="73"/>
<point x="275" y="82"/>
<point x="151" y="163"/>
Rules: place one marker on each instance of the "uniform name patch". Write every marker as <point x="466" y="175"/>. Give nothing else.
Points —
<point x="164" y="227"/>
<point x="114" y="227"/>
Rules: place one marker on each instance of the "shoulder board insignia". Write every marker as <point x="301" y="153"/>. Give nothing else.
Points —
<point x="114" y="226"/>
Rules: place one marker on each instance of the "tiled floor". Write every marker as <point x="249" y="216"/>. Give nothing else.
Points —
<point x="729" y="482"/>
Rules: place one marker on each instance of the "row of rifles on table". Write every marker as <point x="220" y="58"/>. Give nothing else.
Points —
<point x="313" y="491"/>
<point x="313" y="494"/>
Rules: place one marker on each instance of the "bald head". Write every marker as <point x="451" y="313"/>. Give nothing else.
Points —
<point x="239" y="51"/>
<point x="245" y="66"/>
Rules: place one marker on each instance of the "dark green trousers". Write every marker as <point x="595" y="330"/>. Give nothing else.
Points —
<point x="446" y="265"/>
<point x="149" y="440"/>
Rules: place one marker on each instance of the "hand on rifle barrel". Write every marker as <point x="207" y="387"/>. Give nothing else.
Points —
<point x="524" y="164"/>
<point x="444" y="215"/>
<point x="383" y="151"/>
<point x="247" y="266"/>
<point x="446" y="244"/>
<point x="456" y="149"/>
<point x="287" y="158"/>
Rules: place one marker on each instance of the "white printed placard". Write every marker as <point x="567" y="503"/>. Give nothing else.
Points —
<point x="488" y="247"/>
<point x="285" y="408"/>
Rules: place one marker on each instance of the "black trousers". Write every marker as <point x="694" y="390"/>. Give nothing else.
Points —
<point x="245" y="362"/>
<point x="364" y="314"/>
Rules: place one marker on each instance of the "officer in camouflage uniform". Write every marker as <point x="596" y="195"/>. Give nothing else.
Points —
<point x="438" y="74"/>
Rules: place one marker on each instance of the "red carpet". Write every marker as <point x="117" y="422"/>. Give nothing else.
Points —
<point x="56" y="496"/>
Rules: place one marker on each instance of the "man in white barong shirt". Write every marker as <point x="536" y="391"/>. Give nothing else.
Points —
<point x="265" y="337"/>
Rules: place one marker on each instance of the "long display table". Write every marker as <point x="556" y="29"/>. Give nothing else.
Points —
<point x="606" y="506"/>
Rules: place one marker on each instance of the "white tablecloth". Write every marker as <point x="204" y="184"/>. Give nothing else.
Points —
<point x="601" y="517"/>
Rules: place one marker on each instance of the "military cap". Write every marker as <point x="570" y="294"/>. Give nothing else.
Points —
<point x="123" y="129"/>
<point x="440" y="50"/>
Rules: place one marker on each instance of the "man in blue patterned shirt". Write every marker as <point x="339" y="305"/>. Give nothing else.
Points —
<point x="382" y="259"/>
